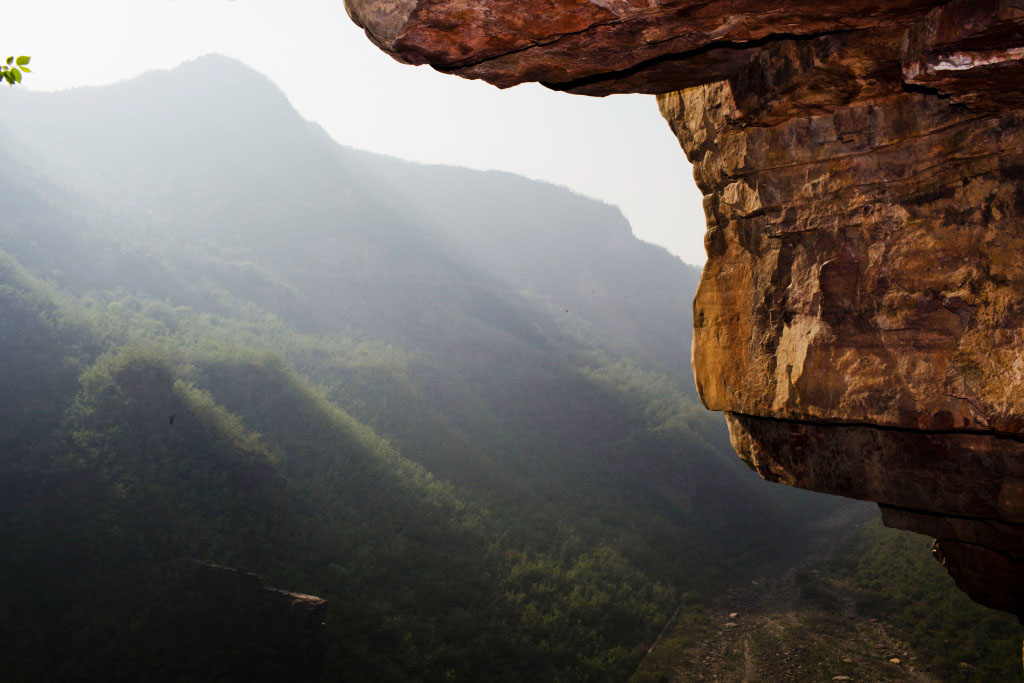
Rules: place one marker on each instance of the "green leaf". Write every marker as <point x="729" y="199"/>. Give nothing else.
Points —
<point x="23" y="60"/>
<point x="10" y="60"/>
<point x="26" y="69"/>
<point x="17" y="75"/>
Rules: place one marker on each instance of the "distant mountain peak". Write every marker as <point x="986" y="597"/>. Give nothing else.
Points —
<point x="230" y="82"/>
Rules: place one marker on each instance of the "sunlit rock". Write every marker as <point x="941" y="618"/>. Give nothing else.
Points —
<point x="861" y="315"/>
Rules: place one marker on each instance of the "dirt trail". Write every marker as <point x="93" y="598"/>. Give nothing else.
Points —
<point x="767" y="630"/>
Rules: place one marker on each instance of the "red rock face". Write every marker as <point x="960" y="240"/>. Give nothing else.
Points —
<point x="557" y="42"/>
<point x="971" y="50"/>
<point x="861" y="316"/>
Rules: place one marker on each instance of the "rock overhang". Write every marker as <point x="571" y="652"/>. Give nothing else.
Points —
<point x="601" y="47"/>
<point x="861" y="315"/>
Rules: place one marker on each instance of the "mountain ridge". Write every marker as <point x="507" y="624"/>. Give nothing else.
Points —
<point x="463" y="424"/>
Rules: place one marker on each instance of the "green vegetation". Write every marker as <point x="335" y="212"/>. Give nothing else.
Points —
<point x="14" y="68"/>
<point x="421" y="581"/>
<point x="483" y="486"/>
<point x="454" y="404"/>
<point x="900" y="583"/>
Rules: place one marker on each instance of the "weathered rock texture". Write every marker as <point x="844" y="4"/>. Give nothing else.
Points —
<point x="861" y="315"/>
<point x="561" y="42"/>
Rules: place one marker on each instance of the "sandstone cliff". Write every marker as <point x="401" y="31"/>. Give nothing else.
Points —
<point x="860" y="319"/>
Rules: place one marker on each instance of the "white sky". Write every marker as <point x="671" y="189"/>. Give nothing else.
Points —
<point x="617" y="148"/>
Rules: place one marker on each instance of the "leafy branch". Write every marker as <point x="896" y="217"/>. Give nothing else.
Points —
<point x="12" y="70"/>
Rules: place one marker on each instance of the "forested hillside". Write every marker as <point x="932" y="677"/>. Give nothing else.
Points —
<point x="455" y="404"/>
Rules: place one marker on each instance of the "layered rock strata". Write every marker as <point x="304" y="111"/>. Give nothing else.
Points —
<point x="861" y="316"/>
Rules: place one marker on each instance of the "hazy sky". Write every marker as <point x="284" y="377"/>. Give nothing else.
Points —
<point x="616" y="148"/>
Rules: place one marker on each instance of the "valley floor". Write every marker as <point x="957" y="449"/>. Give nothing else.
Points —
<point x="790" y="622"/>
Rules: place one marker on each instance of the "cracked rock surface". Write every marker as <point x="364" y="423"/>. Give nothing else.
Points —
<point x="860" y="318"/>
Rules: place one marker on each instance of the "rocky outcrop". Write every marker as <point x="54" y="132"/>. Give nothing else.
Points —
<point x="971" y="50"/>
<point x="861" y="316"/>
<point x="606" y="46"/>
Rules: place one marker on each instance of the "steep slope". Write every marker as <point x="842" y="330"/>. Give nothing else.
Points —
<point x="225" y="183"/>
<point x="476" y="271"/>
<point x="576" y="256"/>
<point x="136" y="470"/>
<point x="486" y="461"/>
